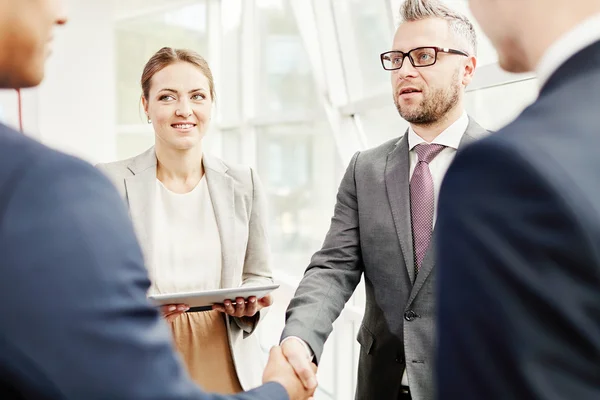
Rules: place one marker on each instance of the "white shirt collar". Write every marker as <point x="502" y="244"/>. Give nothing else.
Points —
<point x="569" y="44"/>
<point x="450" y="137"/>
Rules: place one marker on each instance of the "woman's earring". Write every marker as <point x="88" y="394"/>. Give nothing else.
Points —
<point x="149" y="120"/>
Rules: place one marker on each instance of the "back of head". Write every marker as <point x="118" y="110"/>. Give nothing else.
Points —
<point x="25" y="37"/>
<point x="522" y="31"/>
<point x="459" y="25"/>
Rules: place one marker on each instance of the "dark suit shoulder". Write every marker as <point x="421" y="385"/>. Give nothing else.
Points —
<point x="22" y="157"/>
<point x="17" y="151"/>
<point x="559" y="146"/>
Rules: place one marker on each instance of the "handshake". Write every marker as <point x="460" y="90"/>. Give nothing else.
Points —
<point x="290" y="365"/>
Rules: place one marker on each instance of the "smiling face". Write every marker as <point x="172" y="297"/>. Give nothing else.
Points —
<point x="179" y="104"/>
<point x="26" y="28"/>
<point x="427" y="94"/>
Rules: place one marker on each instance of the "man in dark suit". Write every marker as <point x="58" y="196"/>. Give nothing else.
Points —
<point x="385" y="214"/>
<point x="519" y="224"/>
<point x="75" y="322"/>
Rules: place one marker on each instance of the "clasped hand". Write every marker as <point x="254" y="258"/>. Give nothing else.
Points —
<point x="281" y="371"/>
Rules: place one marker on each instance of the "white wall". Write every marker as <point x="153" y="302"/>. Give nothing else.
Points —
<point x="74" y="108"/>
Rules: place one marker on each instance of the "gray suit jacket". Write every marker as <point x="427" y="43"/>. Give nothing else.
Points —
<point x="371" y="234"/>
<point x="240" y="210"/>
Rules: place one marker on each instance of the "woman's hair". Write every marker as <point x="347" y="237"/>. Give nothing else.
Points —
<point x="168" y="56"/>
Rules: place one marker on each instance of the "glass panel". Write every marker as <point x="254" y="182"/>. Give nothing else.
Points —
<point x="231" y="145"/>
<point x="285" y="78"/>
<point x="229" y="93"/>
<point x="137" y="39"/>
<point x="508" y="100"/>
<point x="364" y="33"/>
<point x="299" y="167"/>
<point x="382" y="124"/>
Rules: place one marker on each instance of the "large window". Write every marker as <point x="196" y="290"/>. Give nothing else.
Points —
<point x="365" y="31"/>
<point x="233" y="68"/>
<point x="298" y="165"/>
<point x="286" y="84"/>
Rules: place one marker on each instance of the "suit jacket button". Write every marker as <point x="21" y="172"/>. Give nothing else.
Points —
<point x="400" y="360"/>
<point x="410" y="315"/>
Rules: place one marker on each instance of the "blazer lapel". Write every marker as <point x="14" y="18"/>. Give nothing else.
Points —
<point x="220" y="187"/>
<point x="397" y="184"/>
<point x="474" y="131"/>
<point x="140" y="189"/>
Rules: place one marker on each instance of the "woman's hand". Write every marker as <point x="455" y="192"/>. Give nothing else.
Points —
<point x="171" y="311"/>
<point x="244" y="307"/>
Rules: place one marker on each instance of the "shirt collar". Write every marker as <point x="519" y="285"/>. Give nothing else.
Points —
<point x="569" y="44"/>
<point x="450" y="137"/>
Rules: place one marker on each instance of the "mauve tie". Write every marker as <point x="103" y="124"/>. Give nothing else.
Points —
<point x="422" y="200"/>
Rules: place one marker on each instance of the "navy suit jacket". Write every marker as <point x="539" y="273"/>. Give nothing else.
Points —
<point x="519" y="251"/>
<point x="75" y="322"/>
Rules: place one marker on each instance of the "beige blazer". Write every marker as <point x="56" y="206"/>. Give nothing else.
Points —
<point x="240" y="210"/>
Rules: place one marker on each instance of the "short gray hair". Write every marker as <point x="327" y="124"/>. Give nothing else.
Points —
<point x="416" y="10"/>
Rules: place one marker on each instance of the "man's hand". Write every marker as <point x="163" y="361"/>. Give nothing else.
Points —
<point x="298" y="357"/>
<point x="279" y="370"/>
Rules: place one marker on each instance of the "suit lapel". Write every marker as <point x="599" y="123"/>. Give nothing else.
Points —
<point x="474" y="131"/>
<point x="220" y="187"/>
<point x="396" y="181"/>
<point x="140" y="189"/>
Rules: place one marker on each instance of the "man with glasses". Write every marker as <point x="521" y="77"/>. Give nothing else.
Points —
<point x="519" y="225"/>
<point x="384" y="217"/>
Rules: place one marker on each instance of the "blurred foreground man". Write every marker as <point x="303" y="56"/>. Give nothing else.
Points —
<point x="519" y="224"/>
<point x="75" y="322"/>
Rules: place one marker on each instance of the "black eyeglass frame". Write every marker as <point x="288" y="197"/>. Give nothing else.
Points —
<point x="408" y="53"/>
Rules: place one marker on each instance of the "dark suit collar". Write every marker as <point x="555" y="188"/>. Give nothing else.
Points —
<point x="581" y="64"/>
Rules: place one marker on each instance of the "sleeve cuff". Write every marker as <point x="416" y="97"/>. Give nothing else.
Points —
<point x="309" y="353"/>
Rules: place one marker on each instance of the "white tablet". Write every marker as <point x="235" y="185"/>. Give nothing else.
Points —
<point x="203" y="300"/>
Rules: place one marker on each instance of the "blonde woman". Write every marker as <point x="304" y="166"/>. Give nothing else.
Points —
<point x="201" y="223"/>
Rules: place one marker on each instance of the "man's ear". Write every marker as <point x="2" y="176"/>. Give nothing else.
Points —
<point x="469" y="70"/>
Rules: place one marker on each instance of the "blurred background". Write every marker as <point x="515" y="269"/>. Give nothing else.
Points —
<point x="300" y="89"/>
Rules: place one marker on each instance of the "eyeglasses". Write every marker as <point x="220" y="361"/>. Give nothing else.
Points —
<point x="419" y="57"/>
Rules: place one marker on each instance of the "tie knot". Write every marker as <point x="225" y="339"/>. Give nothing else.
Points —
<point x="427" y="152"/>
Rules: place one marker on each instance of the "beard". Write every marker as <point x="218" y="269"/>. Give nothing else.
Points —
<point x="433" y="107"/>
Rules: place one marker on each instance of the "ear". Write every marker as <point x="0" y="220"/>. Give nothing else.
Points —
<point x="469" y="70"/>
<point x="145" y="104"/>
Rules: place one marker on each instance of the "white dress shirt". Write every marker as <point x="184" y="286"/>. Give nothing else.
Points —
<point x="187" y="243"/>
<point x="450" y="138"/>
<point x="569" y="44"/>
